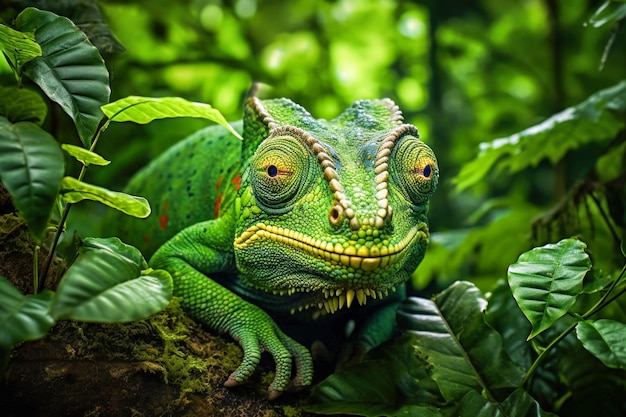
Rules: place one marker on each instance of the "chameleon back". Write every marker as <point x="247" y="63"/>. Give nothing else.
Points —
<point x="185" y="185"/>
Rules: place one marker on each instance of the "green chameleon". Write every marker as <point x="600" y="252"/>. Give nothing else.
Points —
<point x="294" y="228"/>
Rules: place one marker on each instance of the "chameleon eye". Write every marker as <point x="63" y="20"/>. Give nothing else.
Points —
<point x="271" y="170"/>
<point x="280" y="169"/>
<point x="414" y="169"/>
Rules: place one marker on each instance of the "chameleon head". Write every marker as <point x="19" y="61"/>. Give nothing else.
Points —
<point x="332" y="212"/>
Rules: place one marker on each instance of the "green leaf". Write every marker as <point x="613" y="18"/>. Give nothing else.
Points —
<point x="596" y="119"/>
<point x="84" y="156"/>
<point x="546" y="281"/>
<point x="143" y="110"/>
<point x="116" y="246"/>
<point x="22" y="105"/>
<point x="31" y="169"/>
<point x="103" y="286"/>
<point x="504" y="316"/>
<point x="465" y="353"/>
<point x="18" y="47"/>
<point x="23" y="317"/>
<point x="345" y="393"/>
<point x="605" y="339"/>
<point x="74" y="191"/>
<point x="71" y="71"/>
<point x="400" y="387"/>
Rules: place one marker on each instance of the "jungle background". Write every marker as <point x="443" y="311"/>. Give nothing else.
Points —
<point x="471" y="75"/>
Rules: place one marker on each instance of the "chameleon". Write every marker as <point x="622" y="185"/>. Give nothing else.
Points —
<point x="303" y="230"/>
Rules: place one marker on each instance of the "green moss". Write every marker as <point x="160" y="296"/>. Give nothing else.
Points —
<point x="291" y="411"/>
<point x="183" y="367"/>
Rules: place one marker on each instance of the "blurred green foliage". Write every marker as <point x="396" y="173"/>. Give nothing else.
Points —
<point x="464" y="72"/>
<point x="523" y="102"/>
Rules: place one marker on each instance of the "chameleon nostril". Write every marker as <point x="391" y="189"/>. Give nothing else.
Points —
<point x="336" y="214"/>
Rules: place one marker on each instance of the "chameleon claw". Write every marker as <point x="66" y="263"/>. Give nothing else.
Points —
<point x="273" y="394"/>
<point x="231" y="381"/>
<point x="295" y="386"/>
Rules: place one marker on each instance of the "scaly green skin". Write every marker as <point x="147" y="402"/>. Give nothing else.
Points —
<point x="300" y="223"/>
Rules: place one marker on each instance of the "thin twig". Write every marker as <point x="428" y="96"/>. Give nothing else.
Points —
<point x="55" y="242"/>
<point x="607" y="221"/>
<point x="36" y="269"/>
<point x="609" y="45"/>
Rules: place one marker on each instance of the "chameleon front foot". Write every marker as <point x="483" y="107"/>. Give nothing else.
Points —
<point x="267" y="337"/>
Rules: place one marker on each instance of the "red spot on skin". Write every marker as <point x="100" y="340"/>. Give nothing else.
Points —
<point x="237" y="182"/>
<point x="166" y="205"/>
<point x="218" y="203"/>
<point x="218" y="184"/>
<point x="163" y="221"/>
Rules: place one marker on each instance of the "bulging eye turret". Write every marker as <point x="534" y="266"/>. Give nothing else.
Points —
<point x="414" y="169"/>
<point x="279" y="171"/>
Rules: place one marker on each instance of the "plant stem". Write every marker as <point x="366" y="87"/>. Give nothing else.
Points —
<point x="545" y="352"/>
<point x="604" y="301"/>
<point x="66" y="212"/>
<point x="606" y="219"/>
<point x="36" y="269"/>
<point x="609" y="44"/>
<point x="55" y="242"/>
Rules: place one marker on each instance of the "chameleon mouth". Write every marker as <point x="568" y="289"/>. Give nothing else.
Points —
<point x="359" y="258"/>
<point x="363" y="258"/>
<point x="335" y="300"/>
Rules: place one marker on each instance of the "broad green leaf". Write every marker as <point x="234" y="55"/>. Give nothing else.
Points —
<point x="605" y="339"/>
<point x="73" y="191"/>
<point x="84" y="156"/>
<point x="464" y="352"/>
<point x="132" y="300"/>
<point x="31" y="169"/>
<point x="546" y="281"/>
<point x="596" y="119"/>
<point x="103" y="286"/>
<point x="504" y="316"/>
<point x="346" y="392"/>
<point x="115" y="245"/>
<point x="23" y="317"/>
<point x="22" y="105"/>
<point x="143" y="110"/>
<point x="71" y="71"/>
<point x="18" y="47"/>
<point x="399" y="387"/>
<point x="518" y="404"/>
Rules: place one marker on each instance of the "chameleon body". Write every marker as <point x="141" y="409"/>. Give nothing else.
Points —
<point x="305" y="222"/>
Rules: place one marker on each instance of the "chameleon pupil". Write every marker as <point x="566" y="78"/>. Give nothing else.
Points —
<point x="272" y="171"/>
<point x="427" y="171"/>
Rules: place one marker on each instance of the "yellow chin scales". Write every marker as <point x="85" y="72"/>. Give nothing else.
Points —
<point x="363" y="258"/>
